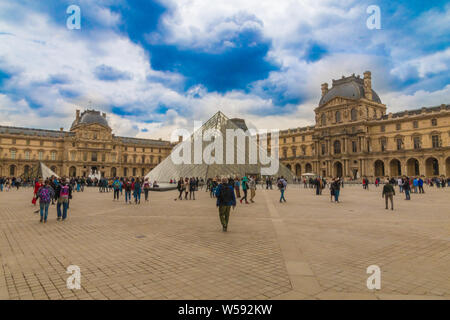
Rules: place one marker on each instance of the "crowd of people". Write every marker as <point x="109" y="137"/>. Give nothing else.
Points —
<point x="226" y="191"/>
<point x="50" y="192"/>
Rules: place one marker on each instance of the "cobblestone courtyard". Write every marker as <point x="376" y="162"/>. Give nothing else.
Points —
<point x="307" y="248"/>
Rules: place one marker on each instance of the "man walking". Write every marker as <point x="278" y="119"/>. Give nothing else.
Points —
<point x="282" y="186"/>
<point x="407" y="189"/>
<point x="63" y="194"/>
<point x="244" y="189"/>
<point x="252" y="187"/>
<point x="225" y="200"/>
<point x="420" y="182"/>
<point x="388" y="194"/>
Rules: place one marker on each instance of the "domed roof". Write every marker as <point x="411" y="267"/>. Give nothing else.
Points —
<point x="351" y="87"/>
<point x="90" y="117"/>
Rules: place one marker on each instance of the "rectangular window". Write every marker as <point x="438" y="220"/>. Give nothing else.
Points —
<point x="398" y="126"/>
<point x="94" y="156"/>
<point x="85" y="156"/>
<point x="415" y="124"/>
<point x="53" y="156"/>
<point x="13" y="154"/>
<point x="103" y="157"/>
<point x="41" y="155"/>
<point x="27" y="155"/>
<point x="435" y="141"/>
<point x="434" y="122"/>
<point x="383" y="128"/>
<point x="303" y="138"/>
<point x="354" y="147"/>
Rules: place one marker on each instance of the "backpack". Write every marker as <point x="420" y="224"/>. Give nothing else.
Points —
<point x="226" y="194"/>
<point x="64" y="193"/>
<point x="280" y="184"/>
<point x="116" y="184"/>
<point x="44" y="195"/>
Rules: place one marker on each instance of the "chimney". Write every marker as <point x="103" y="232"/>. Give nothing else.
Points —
<point x="77" y="115"/>
<point x="368" y="85"/>
<point x="324" y="88"/>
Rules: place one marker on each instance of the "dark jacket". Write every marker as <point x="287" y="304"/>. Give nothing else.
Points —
<point x="219" y="200"/>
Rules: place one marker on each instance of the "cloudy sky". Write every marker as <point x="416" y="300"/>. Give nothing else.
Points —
<point x="157" y="65"/>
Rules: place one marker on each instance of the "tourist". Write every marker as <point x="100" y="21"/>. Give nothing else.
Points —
<point x="388" y="194"/>
<point x="186" y="188"/>
<point x="63" y="193"/>
<point x="415" y="184"/>
<point x="146" y="189"/>
<point x="180" y="189"/>
<point x="282" y="184"/>
<point x="252" y="187"/>
<point x="45" y="195"/>
<point x="225" y="200"/>
<point x="407" y="188"/>
<point x="331" y="191"/>
<point x="420" y="183"/>
<point x="127" y="186"/>
<point x="37" y="186"/>
<point x="336" y="185"/>
<point x="116" y="187"/>
<point x="400" y="184"/>
<point x="137" y="190"/>
<point x="237" y="186"/>
<point x="192" y="187"/>
<point x="244" y="189"/>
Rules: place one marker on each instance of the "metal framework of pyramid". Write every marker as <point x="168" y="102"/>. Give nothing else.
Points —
<point x="168" y="170"/>
<point x="40" y="170"/>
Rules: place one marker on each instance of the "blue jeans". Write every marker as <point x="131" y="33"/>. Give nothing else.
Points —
<point x="1" y="187"/>
<point x="336" y="195"/>
<point x="65" y="205"/>
<point x="282" y="195"/>
<point x="44" y="210"/>
<point x="127" y="196"/>
<point x="407" y="194"/>
<point x="137" y="195"/>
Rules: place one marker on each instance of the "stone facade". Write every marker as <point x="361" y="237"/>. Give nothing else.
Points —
<point x="89" y="145"/>
<point x="354" y="137"/>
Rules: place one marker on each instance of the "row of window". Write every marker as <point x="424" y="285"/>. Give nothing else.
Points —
<point x="293" y="139"/>
<point x="398" y="126"/>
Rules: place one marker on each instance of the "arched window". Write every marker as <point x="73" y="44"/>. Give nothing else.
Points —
<point x="338" y="116"/>
<point x="323" y="119"/>
<point x="353" y="114"/>
<point x="337" y="147"/>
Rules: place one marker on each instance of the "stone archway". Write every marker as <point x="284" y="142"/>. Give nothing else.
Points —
<point x="379" y="168"/>
<point x="308" y="168"/>
<point x="12" y="170"/>
<point x="337" y="169"/>
<point x="432" y="167"/>
<point x="72" y="172"/>
<point x="395" y="167"/>
<point x="298" y="170"/>
<point x="412" y="167"/>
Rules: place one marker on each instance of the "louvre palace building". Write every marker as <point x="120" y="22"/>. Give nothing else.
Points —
<point x="89" y="146"/>
<point x="353" y="137"/>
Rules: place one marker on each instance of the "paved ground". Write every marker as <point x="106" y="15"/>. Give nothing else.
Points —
<point x="307" y="248"/>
